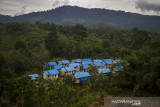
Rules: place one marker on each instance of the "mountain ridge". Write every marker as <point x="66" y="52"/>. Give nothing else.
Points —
<point x="78" y="15"/>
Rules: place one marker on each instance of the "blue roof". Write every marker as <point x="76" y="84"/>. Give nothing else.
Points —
<point x="86" y="62"/>
<point x="33" y="76"/>
<point x="88" y="59"/>
<point x="97" y="60"/>
<point x="104" y="62"/>
<point x="108" y="61"/>
<point x="70" y="69"/>
<point x="51" y="64"/>
<point x="58" y="67"/>
<point x="81" y="74"/>
<point x="65" y="62"/>
<point x="46" y="72"/>
<point x="104" y="70"/>
<point x="74" y="64"/>
<point x="53" y="71"/>
<point x="63" y="69"/>
<point x="77" y="60"/>
<point x="85" y="66"/>
<point x="97" y="64"/>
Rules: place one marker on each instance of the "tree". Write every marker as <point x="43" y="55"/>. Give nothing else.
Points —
<point x="19" y="45"/>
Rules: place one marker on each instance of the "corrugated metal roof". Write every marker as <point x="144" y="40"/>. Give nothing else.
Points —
<point x="77" y="60"/>
<point x="87" y="59"/>
<point x="108" y="61"/>
<point x="97" y="64"/>
<point x="52" y="63"/>
<point x="81" y="74"/>
<point x="104" y="70"/>
<point x="65" y="62"/>
<point x="97" y="60"/>
<point x="58" y="67"/>
<point x="63" y="69"/>
<point x="33" y="76"/>
<point x="70" y="69"/>
<point x="74" y="64"/>
<point x="46" y="72"/>
<point x="85" y="66"/>
<point x="53" y="71"/>
<point x="86" y="62"/>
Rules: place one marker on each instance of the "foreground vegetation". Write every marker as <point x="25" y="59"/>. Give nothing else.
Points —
<point x="25" y="48"/>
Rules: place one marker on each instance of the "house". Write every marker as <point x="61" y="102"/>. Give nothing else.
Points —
<point x="67" y="70"/>
<point x="81" y="76"/>
<point x="64" y="62"/>
<point x="86" y="62"/>
<point x="75" y="65"/>
<point x="58" y="67"/>
<point x="100" y="61"/>
<point x="53" y="73"/>
<point x="104" y="70"/>
<point x="108" y="62"/>
<point x="45" y="74"/>
<point x="76" y="61"/>
<point x="51" y="64"/>
<point x="33" y="76"/>
<point x="98" y="64"/>
<point x="85" y="67"/>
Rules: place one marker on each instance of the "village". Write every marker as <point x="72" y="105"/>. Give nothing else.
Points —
<point x="77" y="68"/>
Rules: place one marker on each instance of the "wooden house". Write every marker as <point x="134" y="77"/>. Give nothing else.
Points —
<point x="108" y="62"/>
<point x="50" y="74"/>
<point x="64" y="62"/>
<point x="67" y="70"/>
<point x="85" y="67"/>
<point x="98" y="64"/>
<point x="51" y="64"/>
<point x="81" y="76"/>
<point x="45" y="74"/>
<point x="75" y="65"/>
<point x="53" y="73"/>
<point x="76" y="61"/>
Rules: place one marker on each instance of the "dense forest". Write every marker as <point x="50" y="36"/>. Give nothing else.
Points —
<point x="72" y="15"/>
<point x="26" y="47"/>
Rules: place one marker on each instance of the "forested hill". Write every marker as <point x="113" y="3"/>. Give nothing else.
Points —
<point x="72" y="15"/>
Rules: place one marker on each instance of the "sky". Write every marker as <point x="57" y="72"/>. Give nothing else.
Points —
<point x="19" y="7"/>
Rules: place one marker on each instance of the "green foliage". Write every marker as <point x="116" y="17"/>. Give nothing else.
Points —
<point x="28" y="46"/>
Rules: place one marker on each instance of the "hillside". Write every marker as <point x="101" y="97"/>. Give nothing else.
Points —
<point x="71" y="15"/>
<point x="25" y="49"/>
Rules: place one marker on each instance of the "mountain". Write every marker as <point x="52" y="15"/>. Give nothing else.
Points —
<point x="74" y="14"/>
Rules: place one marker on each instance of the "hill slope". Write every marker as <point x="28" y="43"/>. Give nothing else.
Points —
<point x="72" y="15"/>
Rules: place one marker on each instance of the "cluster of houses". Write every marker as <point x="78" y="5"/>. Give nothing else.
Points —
<point x="77" y="68"/>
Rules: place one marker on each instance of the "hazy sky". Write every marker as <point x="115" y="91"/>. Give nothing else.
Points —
<point x="18" y="7"/>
